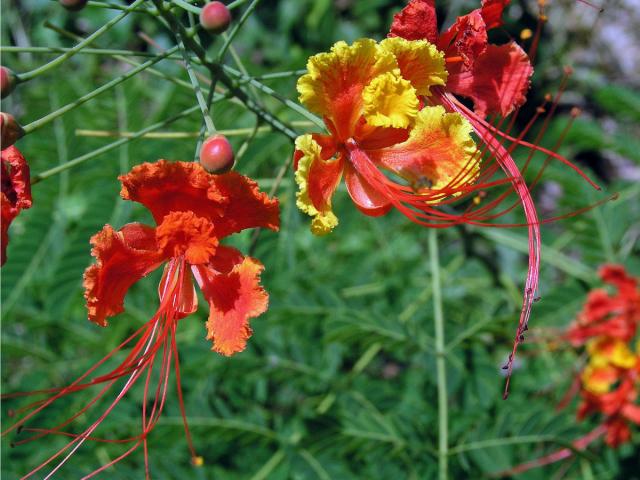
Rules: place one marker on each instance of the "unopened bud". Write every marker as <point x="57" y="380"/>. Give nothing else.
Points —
<point x="10" y="130"/>
<point x="73" y="5"/>
<point x="216" y="154"/>
<point x="7" y="81"/>
<point x="215" y="17"/>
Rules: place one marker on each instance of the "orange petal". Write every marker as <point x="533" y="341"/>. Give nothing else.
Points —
<point x="498" y="81"/>
<point x="231" y="285"/>
<point x="123" y="257"/>
<point x="15" y="195"/>
<point x="230" y="201"/>
<point x="366" y="197"/>
<point x="416" y="21"/>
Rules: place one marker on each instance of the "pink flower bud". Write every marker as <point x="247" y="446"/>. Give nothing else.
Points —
<point x="7" y="81"/>
<point x="215" y="17"/>
<point x="73" y="5"/>
<point x="10" y="130"/>
<point x="216" y="154"/>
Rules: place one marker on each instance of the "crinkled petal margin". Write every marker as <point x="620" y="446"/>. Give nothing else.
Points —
<point x="416" y="21"/>
<point x="122" y="258"/>
<point x="231" y="285"/>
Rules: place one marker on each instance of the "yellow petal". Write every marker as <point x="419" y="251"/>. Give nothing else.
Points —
<point x="323" y="221"/>
<point x="390" y="101"/>
<point x="420" y="62"/>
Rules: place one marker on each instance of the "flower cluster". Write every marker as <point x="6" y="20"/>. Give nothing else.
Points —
<point x="610" y="382"/>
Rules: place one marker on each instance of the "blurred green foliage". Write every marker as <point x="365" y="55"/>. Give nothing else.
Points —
<point x="338" y="380"/>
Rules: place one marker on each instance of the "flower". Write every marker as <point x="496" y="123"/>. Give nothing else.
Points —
<point x="495" y="77"/>
<point x="193" y="211"/>
<point x="16" y="192"/>
<point x="615" y="316"/>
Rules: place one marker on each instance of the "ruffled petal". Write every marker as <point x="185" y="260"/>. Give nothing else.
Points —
<point x="122" y="258"/>
<point x="9" y="212"/>
<point x="420" y="62"/>
<point x="333" y="87"/>
<point x="390" y="101"/>
<point x="416" y="21"/>
<point x="498" y="81"/>
<point x="466" y="38"/>
<point x="367" y="198"/>
<point x="230" y="201"/>
<point x="491" y="11"/>
<point x="438" y="155"/>
<point x="15" y="195"/>
<point x="317" y="180"/>
<point x="231" y="285"/>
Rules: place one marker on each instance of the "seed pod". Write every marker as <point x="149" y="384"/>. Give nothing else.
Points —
<point x="216" y="154"/>
<point x="7" y="81"/>
<point x="73" y="5"/>
<point x="215" y="17"/>
<point x="10" y="130"/>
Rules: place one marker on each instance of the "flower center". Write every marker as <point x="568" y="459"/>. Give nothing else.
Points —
<point x="185" y="234"/>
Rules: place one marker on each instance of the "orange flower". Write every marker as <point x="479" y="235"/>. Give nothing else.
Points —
<point x="615" y="316"/>
<point x="16" y="192"/>
<point x="193" y="210"/>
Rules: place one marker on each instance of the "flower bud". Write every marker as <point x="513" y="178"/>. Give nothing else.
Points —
<point x="10" y="130"/>
<point x="73" y="5"/>
<point x="215" y="17"/>
<point x="216" y="154"/>
<point x="7" y="81"/>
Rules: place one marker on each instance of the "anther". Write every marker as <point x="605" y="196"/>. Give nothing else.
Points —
<point x="576" y="112"/>
<point x="526" y="34"/>
<point x="568" y="70"/>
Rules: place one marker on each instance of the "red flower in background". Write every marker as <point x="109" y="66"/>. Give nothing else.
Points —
<point x="193" y="211"/>
<point x="495" y="77"/>
<point x="16" y="192"/>
<point x="615" y="316"/>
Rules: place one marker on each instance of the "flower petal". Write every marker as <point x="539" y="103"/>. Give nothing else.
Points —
<point x="416" y="21"/>
<point x="367" y="198"/>
<point x="420" y="62"/>
<point x="317" y="180"/>
<point x="185" y="300"/>
<point x="466" y="38"/>
<point x="492" y="12"/>
<point x="390" y="101"/>
<point x="231" y="285"/>
<point x="15" y="195"/>
<point x="123" y="257"/>
<point x="333" y="87"/>
<point x="439" y="153"/>
<point x="230" y="201"/>
<point x="498" y="81"/>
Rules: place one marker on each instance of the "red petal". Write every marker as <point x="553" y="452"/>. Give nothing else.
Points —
<point x="492" y="12"/>
<point x="416" y="21"/>
<point x="467" y="38"/>
<point x="230" y="201"/>
<point x="367" y="198"/>
<point x="9" y="212"/>
<point x="231" y="285"/>
<point x="498" y="81"/>
<point x="123" y="258"/>
<point x="16" y="192"/>
<point x="324" y="177"/>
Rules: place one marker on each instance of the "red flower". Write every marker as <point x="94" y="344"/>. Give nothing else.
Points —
<point x="193" y="211"/>
<point x="495" y="77"/>
<point x="615" y="316"/>
<point x="16" y="192"/>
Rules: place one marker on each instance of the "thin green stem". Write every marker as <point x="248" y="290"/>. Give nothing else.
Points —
<point x="118" y="6"/>
<point x="204" y="107"/>
<point x="288" y="73"/>
<point x="88" y="156"/>
<point x="84" y="51"/>
<point x="23" y="77"/>
<point x="441" y="372"/>
<point x="187" y="6"/>
<point x="85" y="98"/>
<point x="236" y="4"/>
<point x="271" y="92"/>
<point x="236" y="28"/>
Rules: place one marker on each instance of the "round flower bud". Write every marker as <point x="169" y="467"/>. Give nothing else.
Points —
<point x="73" y="5"/>
<point x="215" y="17"/>
<point x="216" y="154"/>
<point x="10" y="130"/>
<point x="7" y="81"/>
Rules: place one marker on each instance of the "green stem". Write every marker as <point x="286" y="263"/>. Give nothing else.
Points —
<point x="229" y="38"/>
<point x="23" y="77"/>
<point x="87" y="156"/>
<point x="441" y="372"/>
<point x="117" y="6"/>
<point x="204" y="108"/>
<point x="84" y="51"/>
<point x="271" y="92"/>
<point x="85" y="98"/>
<point x="187" y="6"/>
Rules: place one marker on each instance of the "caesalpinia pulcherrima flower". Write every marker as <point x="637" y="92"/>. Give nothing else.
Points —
<point x="16" y="192"/>
<point x="609" y="383"/>
<point x="193" y="211"/>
